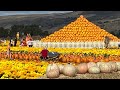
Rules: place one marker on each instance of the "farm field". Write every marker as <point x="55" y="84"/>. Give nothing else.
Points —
<point x="32" y="67"/>
<point x="25" y="62"/>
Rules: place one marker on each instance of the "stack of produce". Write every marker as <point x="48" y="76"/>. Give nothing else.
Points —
<point x="70" y="70"/>
<point x="21" y="55"/>
<point x="75" y="55"/>
<point x="84" y="58"/>
<point x="81" y="30"/>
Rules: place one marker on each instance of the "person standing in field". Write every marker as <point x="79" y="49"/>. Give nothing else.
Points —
<point x="30" y="43"/>
<point x="23" y="43"/>
<point x="8" y="51"/>
<point x="17" y="36"/>
<point x="27" y="37"/>
<point x="44" y="53"/>
<point x="15" y="41"/>
<point x="29" y="40"/>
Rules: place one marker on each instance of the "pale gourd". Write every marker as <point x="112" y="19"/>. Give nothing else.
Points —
<point x="118" y="66"/>
<point x="52" y="74"/>
<point x="113" y="66"/>
<point x="105" y="68"/>
<point x="69" y="70"/>
<point x="82" y="68"/>
<point x="52" y="67"/>
<point x="91" y="64"/>
<point x="61" y="68"/>
<point x="94" y="70"/>
<point x="99" y="63"/>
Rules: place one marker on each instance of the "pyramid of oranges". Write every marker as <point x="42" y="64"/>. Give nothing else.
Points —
<point x="81" y="30"/>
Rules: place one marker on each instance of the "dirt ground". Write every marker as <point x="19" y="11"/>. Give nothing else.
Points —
<point x="113" y="75"/>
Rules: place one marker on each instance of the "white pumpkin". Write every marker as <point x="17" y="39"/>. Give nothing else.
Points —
<point x="69" y="70"/>
<point x="99" y="63"/>
<point x="91" y="64"/>
<point x="113" y="66"/>
<point x="118" y="66"/>
<point x="94" y="70"/>
<point x="52" y="67"/>
<point x="61" y="68"/>
<point x="52" y="74"/>
<point x="82" y="68"/>
<point x="105" y="68"/>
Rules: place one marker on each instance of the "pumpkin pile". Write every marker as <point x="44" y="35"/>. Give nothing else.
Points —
<point x="54" y="70"/>
<point x="85" y="58"/>
<point x="79" y="30"/>
<point x="21" y="55"/>
<point x="66" y="55"/>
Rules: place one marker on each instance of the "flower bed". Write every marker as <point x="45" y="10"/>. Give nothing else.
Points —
<point x="64" y="50"/>
<point x="22" y="69"/>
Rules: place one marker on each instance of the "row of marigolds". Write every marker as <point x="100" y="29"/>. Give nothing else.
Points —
<point x="64" y="50"/>
<point x="22" y="69"/>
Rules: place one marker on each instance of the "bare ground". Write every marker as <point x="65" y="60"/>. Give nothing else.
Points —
<point x="114" y="75"/>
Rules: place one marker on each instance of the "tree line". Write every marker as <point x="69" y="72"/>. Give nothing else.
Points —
<point x="116" y="33"/>
<point x="34" y="30"/>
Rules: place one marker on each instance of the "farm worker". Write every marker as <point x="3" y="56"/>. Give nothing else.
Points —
<point x="44" y="53"/>
<point x="23" y="43"/>
<point x="27" y="37"/>
<point x="8" y="51"/>
<point x="11" y="42"/>
<point x="15" y="41"/>
<point x="29" y="42"/>
<point x="17" y="35"/>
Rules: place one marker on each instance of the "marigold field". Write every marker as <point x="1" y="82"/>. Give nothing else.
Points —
<point x="32" y="69"/>
<point x="25" y="62"/>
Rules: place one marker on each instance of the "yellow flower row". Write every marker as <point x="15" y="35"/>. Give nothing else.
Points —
<point x="65" y="50"/>
<point x="22" y="69"/>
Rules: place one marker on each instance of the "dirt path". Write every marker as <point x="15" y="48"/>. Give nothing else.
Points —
<point x="114" y="75"/>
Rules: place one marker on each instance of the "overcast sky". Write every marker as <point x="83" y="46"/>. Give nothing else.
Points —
<point x="5" y="13"/>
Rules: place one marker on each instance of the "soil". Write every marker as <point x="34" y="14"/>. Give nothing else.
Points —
<point x="113" y="75"/>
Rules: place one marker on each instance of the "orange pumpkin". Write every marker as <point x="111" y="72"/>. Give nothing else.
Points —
<point x="16" y="55"/>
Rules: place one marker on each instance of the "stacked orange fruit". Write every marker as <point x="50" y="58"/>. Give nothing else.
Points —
<point x="79" y="30"/>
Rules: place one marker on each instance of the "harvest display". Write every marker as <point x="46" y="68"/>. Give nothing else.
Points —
<point x="85" y="60"/>
<point x="25" y="62"/>
<point x="71" y="70"/>
<point x="79" y="30"/>
<point x="75" y="55"/>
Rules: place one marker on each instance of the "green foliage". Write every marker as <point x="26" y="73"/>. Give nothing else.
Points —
<point x="34" y="30"/>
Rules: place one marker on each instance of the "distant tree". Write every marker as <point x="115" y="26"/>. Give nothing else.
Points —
<point x="112" y="32"/>
<point x="34" y="30"/>
<point x="45" y="33"/>
<point x="119" y="33"/>
<point x="3" y="32"/>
